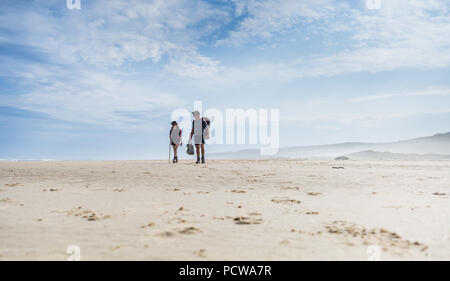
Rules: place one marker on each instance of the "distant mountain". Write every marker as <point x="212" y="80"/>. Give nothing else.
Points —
<point x="438" y="144"/>
<point x="375" y="155"/>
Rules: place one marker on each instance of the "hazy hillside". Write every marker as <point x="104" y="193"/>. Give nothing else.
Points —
<point x="375" y="155"/>
<point x="437" y="144"/>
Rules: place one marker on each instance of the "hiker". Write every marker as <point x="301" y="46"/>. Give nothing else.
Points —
<point x="199" y="126"/>
<point x="175" y="139"/>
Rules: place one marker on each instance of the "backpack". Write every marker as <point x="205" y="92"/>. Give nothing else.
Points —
<point x="190" y="149"/>
<point x="208" y="123"/>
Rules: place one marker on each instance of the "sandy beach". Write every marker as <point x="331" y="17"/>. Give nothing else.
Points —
<point x="226" y="210"/>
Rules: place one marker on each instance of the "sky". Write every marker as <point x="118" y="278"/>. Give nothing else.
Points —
<point x="101" y="82"/>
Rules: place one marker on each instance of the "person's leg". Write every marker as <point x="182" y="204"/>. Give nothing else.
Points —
<point x="175" y="150"/>
<point x="203" y="153"/>
<point x="175" y="153"/>
<point x="197" y="149"/>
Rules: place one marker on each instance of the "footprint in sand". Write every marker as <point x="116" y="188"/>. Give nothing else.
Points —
<point x="119" y="190"/>
<point x="386" y="239"/>
<point x="86" y="214"/>
<point x="94" y="217"/>
<point x="50" y="189"/>
<point x="312" y="213"/>
<point x="189" y="230"/>
<point x="314" y="193"/>
<point x="290" y="188"/>
<point x="247" y="220"/>
<point x="286" y="201"/>
<point x="176" y="220"/>
<point x="237" y="191"/>
<point x="5" y="206"/>
<point x="148" y="225"/>
<point x="201" y="253"/>
<point x="254" y="181"/>
<point x="284" y="242"/>
<point x="166" y="234"/>
<point x="223" y="218"/>
<point x="6" y="200"/>
<point x="288" y="182"/>
<point x="12" y="184"/>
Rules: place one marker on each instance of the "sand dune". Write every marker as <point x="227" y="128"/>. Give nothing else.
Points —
<point x="225" y="210"/>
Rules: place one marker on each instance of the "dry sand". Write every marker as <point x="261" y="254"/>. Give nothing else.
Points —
<point x="225" y="210"/>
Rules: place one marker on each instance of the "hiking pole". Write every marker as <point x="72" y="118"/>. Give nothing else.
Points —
<point x="169" y="151"/>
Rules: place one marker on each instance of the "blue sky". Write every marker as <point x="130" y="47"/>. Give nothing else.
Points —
<point x="101" y="82"/>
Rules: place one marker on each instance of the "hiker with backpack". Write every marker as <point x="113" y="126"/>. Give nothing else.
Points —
<point x="175" y="140"/>
<point x="199" y="132"/>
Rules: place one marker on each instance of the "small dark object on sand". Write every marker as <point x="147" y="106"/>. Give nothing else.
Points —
<point x="342" y="158"/>
<point x="337" y="168"/>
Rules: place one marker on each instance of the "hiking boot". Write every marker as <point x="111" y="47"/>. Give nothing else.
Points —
<point x="175" y="160"/>
<point x="198" y="161"/>
<point x="203" y="160"/>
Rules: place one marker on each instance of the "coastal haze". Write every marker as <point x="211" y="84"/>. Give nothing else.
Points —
<point x="435" y="147"/>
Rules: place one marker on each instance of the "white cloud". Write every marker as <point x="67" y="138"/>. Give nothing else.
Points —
<point x="119" y="48"/>
<point x="403" y="34"/>
<point x="189" y="63"/>
<point x="95" y="98"/>
<point x="84" y="49"/>
<point x="265" y="19"/>
<point x="360" y="113"/>
<point x="433" y="92"/>
<point x="361" y="118"/>
<point x="109" y="33"/>
<point x="79" y="78"/>
<point x="362" y="97"/>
